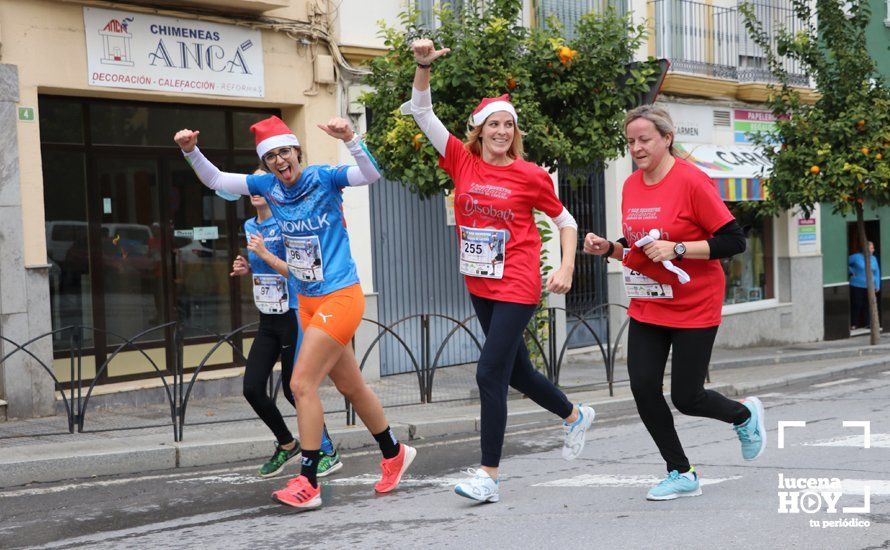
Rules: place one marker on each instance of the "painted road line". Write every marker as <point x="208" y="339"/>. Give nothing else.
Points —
<point x="876" y="440"/>
<point x="878" y="487"/>
<point x="834" y="383"/>
<point x="603" y="480"/>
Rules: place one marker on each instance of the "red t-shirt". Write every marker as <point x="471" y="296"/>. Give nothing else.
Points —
<point x="501" y="198"/>
<point x="685" y="206"/>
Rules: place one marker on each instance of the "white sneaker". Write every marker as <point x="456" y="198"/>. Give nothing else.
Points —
<point x="576" y="433"/>
<point x="479" y="487"/>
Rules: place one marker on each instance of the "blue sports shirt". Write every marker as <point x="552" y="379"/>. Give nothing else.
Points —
<point x="310" y="215"/>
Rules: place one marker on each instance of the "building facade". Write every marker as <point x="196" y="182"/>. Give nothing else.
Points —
<point x="714" y="91"/>
<point x="841" y="236"/>
<point x="105" y="225"/>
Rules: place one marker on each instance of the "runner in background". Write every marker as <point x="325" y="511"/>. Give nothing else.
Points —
<point x="679" y="203"/>
<point x="278" y="336"/>
<point x="308" y="206"/>
<point x="495" y="190"/>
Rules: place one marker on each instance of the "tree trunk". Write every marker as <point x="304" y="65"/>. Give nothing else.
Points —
<point x="869" y="278"/>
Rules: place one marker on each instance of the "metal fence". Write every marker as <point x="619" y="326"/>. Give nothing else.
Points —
<point x="705" y="39"/>
<point x="425" y="362"/>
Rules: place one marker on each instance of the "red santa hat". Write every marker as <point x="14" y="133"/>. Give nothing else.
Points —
<point x="491" y="105"/>
<point x="272" y="133"/>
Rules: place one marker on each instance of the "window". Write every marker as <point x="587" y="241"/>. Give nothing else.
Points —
<point x="427" y="10"/>
<point x="133" y="239"/>
<point x="569" y="12"/>
<point x="750" y="275"/>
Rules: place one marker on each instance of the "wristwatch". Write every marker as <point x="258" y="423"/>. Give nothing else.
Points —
<point x="679" y="250"/>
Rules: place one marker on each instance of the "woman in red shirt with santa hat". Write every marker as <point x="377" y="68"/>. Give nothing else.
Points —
<point x="495" y="190"/>
<point x="676" y="229"/>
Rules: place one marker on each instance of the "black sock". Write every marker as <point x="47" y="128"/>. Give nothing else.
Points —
<point x="389" y="445"/>
<point x="310" y="466"/>
<point x="743" y="418"/>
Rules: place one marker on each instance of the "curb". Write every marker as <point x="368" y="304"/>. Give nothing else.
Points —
<point x="129" y="457"/>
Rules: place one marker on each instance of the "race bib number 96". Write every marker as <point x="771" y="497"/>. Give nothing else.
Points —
<point x="304" y="258"/>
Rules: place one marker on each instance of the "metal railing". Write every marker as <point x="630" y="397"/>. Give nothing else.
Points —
<point x="710" y="40"/>
<point x="178" y="385"/>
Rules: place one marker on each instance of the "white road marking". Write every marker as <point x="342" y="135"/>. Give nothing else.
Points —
<point x="834" y="383"/>
<point x="877" y="440"/>
<point x="773" y="394"/>
<point x="407" y="481"/>
<point x="857" y="486"/>
<point x="602" y="480"/>
<point x="227" y="475"/>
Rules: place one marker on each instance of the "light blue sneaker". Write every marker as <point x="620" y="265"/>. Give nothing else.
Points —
<point x="752" y="434"/>
<point x="676" y="485"/>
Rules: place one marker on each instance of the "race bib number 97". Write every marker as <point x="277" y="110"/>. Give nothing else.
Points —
<point x="270" y="293"/>
<point x="482" y="252"/>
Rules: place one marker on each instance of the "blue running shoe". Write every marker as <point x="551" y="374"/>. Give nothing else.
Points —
<point x="752" y="434"/>
<point x="676" y="485"/>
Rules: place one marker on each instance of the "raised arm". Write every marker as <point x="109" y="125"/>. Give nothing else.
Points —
<point x="210" y="175"/>
<point x="421" y="104"/>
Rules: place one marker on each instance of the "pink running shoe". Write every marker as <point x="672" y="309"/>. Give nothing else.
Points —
<point x="299" y="493"/>
<point x="394" y="467"/>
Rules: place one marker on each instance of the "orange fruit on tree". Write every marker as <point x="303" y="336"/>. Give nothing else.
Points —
<point x="418" y="137"/>
<point x="861" y="123"/>
<point x="864" y="150"/>
<point x="511" y="83"/>
<point x="815" y="169"/>
<point x="879" y="156"/>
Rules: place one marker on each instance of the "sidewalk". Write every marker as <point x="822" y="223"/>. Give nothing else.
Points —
<point x="137" y="439"/>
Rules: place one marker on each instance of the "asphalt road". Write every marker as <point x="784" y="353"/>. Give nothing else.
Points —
<point x="597" y="501"/>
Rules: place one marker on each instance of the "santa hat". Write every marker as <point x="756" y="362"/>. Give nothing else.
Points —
<point x="272" y="133"/>
<point x="491" y="105"/>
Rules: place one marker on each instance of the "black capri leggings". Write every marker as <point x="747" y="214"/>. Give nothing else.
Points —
<point x="504" y="361"/>
<point x="647" y="352"/>
<point x="276" y="337"/>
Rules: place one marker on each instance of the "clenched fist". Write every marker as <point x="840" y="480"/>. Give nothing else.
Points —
<point x="186" y="139"/>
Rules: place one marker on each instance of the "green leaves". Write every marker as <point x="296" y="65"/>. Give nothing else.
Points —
<point x="570" y="95"/>
<point x="834" y="151"/>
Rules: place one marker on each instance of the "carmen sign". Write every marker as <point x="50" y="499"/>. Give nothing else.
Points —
<point x="147" y="52"/>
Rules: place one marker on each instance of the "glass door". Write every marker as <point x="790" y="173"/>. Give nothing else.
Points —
<point x="129" y="271"/>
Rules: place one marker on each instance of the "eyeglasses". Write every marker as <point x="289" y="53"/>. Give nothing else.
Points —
<point x="284" y="152"/>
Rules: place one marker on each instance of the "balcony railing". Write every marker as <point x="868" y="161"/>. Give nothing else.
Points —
<point x="710" y="40"/>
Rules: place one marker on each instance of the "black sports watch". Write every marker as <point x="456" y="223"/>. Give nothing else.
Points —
<point x="679" y="250"/>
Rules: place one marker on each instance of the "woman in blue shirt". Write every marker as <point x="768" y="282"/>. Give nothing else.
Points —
<point x="859" y="290"/>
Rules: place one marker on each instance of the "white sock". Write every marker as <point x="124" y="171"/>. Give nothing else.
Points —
<point x="690" y="475"/>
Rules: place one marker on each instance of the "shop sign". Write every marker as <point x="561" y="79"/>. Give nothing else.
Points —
<point x="745" y="122"/>
<point x="149" y="52"/>
<point x="806" y="235"/>
<point x="692" y="123"/>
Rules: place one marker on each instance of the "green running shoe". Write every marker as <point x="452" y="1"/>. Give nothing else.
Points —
<point x="280" y="459"/>
<point x="328" y="464"/>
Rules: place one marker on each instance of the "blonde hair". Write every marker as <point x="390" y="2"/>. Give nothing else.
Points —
<point x="473" y="142"/>
<point x="659" y="117"/>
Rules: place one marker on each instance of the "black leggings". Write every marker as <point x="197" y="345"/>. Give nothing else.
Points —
<point x="647" y="351"/>
<point x="277" y="336"/>
<point x="504" y="361"/>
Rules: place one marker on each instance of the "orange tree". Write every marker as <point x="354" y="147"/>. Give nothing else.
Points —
<point x="835" y="150"/>
<point x="570" y="94"/>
